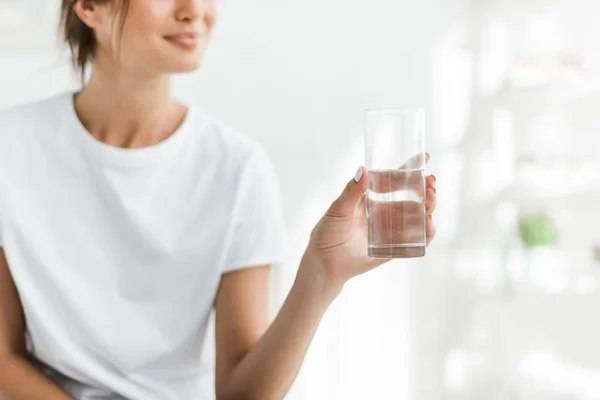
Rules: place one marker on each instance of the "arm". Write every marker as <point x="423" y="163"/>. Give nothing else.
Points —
<point x="251" y="365"/>
<point x="19" y="379"/>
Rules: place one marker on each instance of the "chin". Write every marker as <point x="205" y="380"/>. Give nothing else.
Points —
<point x="185" y="66"/>
<point x="184" y="61"/>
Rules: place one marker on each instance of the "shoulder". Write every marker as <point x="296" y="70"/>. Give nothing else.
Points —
<point x="22" y="130"/>
<point x="25" y="132"/>
<point x="18" y="122"/>
<point x="236" y="150"/>
<point x="23" y="112"/>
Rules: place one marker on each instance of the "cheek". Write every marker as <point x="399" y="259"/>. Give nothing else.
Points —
<point x="211" y="13"/>
<point x="140" y="36"/>
<point x="145" y="18"/>
<point x="211" y="6"/>
<point x="149" y="17"/>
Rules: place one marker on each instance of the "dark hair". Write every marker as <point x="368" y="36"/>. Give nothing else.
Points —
<point x="80" y="37"/>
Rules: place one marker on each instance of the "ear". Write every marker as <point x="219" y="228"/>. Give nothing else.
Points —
<point x="87" y="11"/>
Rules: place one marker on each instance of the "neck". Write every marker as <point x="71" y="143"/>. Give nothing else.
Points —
<point x="127" y="109"/>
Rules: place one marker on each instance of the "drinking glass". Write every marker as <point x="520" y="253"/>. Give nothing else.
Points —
<point x="396" y="159"/>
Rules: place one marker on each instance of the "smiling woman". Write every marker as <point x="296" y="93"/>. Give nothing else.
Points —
<point x="87" y="32"/>
<point x="127" y="217"/>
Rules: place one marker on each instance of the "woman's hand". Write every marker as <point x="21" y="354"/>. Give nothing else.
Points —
<point x="337" y="250"/>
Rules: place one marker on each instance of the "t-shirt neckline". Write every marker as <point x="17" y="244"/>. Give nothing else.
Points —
<point x="126" y="157"/>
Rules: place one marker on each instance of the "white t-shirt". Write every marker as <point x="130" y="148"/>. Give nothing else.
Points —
<point x="117" y="253"/>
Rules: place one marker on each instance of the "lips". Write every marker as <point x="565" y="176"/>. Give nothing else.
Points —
<point x="186" y="40"/>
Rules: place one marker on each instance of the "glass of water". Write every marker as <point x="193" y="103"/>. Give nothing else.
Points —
<point x="396" y="159"/>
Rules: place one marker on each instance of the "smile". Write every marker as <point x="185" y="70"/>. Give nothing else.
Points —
<point x="185" y="40"/>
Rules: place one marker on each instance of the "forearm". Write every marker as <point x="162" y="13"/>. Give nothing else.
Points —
<point x="20" y="380"/>
<point x="268" y="370"/>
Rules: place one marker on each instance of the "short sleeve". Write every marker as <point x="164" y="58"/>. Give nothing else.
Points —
<point x="258" y="234"/>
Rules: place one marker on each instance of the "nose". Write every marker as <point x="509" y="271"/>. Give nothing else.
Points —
<point x="190" y="10"/>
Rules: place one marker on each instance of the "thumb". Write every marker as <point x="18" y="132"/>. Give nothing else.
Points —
<point x="352" y="194"/>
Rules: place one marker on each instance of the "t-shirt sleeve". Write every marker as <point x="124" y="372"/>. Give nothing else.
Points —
<point x="258" y="234"/>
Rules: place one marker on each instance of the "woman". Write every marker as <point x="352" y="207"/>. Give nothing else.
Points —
<point x="126" y="217"/>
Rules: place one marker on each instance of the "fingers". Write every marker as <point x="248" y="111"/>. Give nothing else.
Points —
<point x="430" y="203"/>
<point x="430" y="229"/>
<point x="430" y="195"/>
<point x="408" y="177"/>
<point x="399" y="222"/>
<point x="416" y="162"/>
<point x="393" y="209"/>
<point x="430" y="181"/>
<point x="390" y="181"/>
<point x="352" y="194"/>
<point x="396" y="222"/>
<point x="398" y="217"/>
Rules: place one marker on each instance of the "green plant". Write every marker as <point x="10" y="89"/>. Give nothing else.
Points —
<point x="537" y="229"/>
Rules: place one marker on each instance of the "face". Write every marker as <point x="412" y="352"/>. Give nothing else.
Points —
<point x="158" y="36"/>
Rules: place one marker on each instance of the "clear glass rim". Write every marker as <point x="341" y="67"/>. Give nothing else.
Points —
<point x="394" y="110"/>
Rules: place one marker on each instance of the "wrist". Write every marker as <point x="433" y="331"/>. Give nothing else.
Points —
<point x="312" y="278"/>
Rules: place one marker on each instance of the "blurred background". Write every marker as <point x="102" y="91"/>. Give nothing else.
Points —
<point x="505" y="304"/>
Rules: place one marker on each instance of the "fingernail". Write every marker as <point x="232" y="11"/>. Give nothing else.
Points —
<point x="358" y="175"/>
<point x="428" y="156"/>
